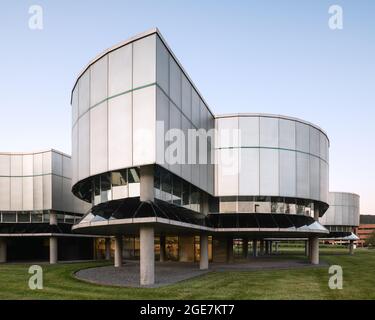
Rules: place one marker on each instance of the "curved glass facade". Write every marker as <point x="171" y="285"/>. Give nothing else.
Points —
<point x="109" y="186"/>
<point x="38" y="216"/>
<point x="172" y="189"/>
<point x="257" y="204"/>
<point x="122" y="184"/>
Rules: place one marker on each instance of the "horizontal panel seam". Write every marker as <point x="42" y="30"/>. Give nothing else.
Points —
<point x="273" y="148"/>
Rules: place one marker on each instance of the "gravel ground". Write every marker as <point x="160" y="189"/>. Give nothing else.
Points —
<point x="171" y="272"/>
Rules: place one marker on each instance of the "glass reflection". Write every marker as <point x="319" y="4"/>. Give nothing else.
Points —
<point x="259" y="204"/>
<point x="170" y="188"/>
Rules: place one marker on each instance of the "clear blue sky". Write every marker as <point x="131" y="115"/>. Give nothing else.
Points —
<point x="244" y="56"/>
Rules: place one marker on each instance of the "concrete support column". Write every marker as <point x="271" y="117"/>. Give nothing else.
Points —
<point x="255" y="249"/>
<point x="230" y="257"/>
<point x="108" y="248"/>
<point x="276" y="247"/>
<point x="245" y="247"/>
<point x="316" y="214"/>
<point x="118" y="251"/>
<point x="203" y="263"/>
<point x="53" y="218"/>
<point x="314" y="255"/>
<point x="267" y="244"/>
<point x="146" y="183"/>
<point x="162" y="248"/>
<point x="3" y="250"/>
<point x="351" y="247"/>
<point x="147" y="260"/>
<point x="53" y="249"/>
<point x="261" y="248"/>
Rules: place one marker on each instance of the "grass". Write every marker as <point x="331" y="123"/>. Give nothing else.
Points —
<point x="59" y="282"/>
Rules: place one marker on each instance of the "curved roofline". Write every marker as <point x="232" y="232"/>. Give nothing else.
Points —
<point x="130" y="40"/>
<point x="352" y="193"/>
<point x="271" y="115"/>
<point x="35" y="152"/>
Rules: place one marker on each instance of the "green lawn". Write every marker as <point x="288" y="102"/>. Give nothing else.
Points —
<point x="59" y="283"/>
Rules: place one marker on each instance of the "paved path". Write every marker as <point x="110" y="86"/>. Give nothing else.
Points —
<point x="167" y="273"/>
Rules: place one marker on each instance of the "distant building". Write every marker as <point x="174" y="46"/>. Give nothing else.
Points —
<point x="366" y="227"/>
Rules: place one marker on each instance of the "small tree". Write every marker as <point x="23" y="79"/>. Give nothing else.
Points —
<point x="370" y="241"/>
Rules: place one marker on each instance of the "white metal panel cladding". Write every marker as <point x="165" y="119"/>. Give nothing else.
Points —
<point x="27" y="193"/>
<point x="227" y="172"/>
<point x="38" y="193"/>
<point x="158" y="80"/>
<point x="195" y="108"/>
<point x="84" y="93"/>
<point x="16" y="165"/>
<point x="162" y="66"/>
<point x="29" y="186"/>
<point x="187" y="168"/>
<point x="344" y="210"/>
<point x="175" y="123"/>
<point x="227" y="133"/>
<point x="314" y="141"/>
<point x="84" y="146"/>
<point x="303" y="176"/>
<point x="163" y="118"/>
<point x="324" y="180"/>
<point x="120" y="70"/>
<point x="57" y="192"/>
<point x="269" y="172"/>
<point x="144" y="126"/>
<point x="287" y="173"/>
<point x="47" y="162"/>
<point x="16" y="194"/>
<point x="286" y="166"/>
<point x="67" y="167"/>
<point x="47" y="191"/>
<point x="249" y="131"/>
<point x="27" y="165"/>
<point x="4" y="193"/>
<point x="287" y="134"/>
<point x="186" y="97"/>
<point x="75" y="151"/>
<point x="120" y="132"/>
<point x="98" y="139"/>
<point x="174" y="82"/>
<point x="4" y="165"/>
<point x="144" y="61"/>
<point x="314" y="177"/>
<point x="99" y="81"/>
<point x="75" y="105"/>
<point x="57" y="164"/>
<point x="302" y="137"/>
<point x="324" y="145"/>
<point x="249" y="172"/>
<point x="269" y="132"/>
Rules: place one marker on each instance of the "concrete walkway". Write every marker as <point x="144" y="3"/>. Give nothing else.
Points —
<point x="167" y="273"/>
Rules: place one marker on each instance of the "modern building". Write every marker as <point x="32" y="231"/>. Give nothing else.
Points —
<point x="365" y="228"/>
<point x="164" y="173"/>
<point x="153" y="169"/>
<point x="342" y="217"/>
<point x="37" y="209"/>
